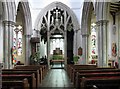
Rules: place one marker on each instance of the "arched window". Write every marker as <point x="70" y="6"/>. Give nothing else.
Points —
<point x="17" y="39"/>
<point x="93" y="39"/>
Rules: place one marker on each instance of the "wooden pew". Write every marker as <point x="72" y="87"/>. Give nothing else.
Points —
<point x="84" y="69"/>
<point x="79" y="67"/>
<point x="42" y="69"/>
<point x="69" y="69"/>
<point x="105" y="82"/>
<point x="15" y="77"/>
<point x="94" y="73"/>
<point x="24" y="71"/>
<point x="23" y="84"/>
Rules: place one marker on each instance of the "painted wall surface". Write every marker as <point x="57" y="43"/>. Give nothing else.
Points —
<point x="79" y="39"/>
<point x="37" y="5"/>
<point x="1" y="41"/>
<point x="43" y="50"/>
<point x="110" y="37"/>
<point x="118" y="25"/>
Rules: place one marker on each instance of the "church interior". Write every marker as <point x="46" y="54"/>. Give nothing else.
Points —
<point x="66" y="44"/>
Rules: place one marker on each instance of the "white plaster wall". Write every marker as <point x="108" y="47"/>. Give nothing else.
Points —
<point x="111" y="37"/>
<point x="117" y="36"/>
<point x="118" y="25"/>
<point x="79" y="39"/>
<point x="1" y="41"/>
<point x="1" y="35"/>
<point x="43" y="50"/>
<point x="37" y="5"/>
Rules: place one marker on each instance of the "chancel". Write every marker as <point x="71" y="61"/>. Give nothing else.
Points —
<point x="59" y="44"/>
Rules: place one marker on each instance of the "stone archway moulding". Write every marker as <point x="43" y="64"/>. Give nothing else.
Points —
<point x="9" y="20"/>
<point x="86" y="16"/>
<point x="51" y="6"/>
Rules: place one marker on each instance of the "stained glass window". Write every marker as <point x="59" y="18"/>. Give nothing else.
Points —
<point x="93" y="39"/>
<point x="17" y="39"/>
<point x="19" y="44"/>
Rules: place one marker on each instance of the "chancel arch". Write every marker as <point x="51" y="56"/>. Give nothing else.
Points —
<point x="57" y="23"/>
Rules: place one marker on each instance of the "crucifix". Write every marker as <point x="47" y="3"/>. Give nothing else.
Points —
<point x="57" y="13"/>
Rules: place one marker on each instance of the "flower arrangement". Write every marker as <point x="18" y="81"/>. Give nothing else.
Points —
<point x="34" y="58"/>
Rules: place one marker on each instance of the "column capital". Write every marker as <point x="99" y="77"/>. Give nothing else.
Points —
<point x="85" y="35"/>
<point x="76" y="30"/>
<point x="102" y="22"/>
<point x="27" y="35"/>
<point x="9" y="23"/>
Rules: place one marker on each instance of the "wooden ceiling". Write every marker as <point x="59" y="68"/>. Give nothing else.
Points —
<point x="115" y="7"/>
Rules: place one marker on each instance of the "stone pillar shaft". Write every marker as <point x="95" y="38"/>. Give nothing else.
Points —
<point x="85" y="49"/>
<point x="48" y="48"/>
<point x="28" y="49"/>
<point x="65" y="47"/>
<point x="8" y="43"/>
<point x="75" y="43"/>
<point x="102" y="43"/>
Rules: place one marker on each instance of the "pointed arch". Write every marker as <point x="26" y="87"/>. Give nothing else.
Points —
<point x="60" y="5"/>
<point x="86" y="16"/>
<point x="27" y="17"/>
<point x="9" y="11"/>
<point x="27" y="27"/>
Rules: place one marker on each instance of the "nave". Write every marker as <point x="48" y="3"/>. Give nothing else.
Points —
<point x="35" y="77"/>
<point x="72" y="77"/>
<point x="57" y="78"/>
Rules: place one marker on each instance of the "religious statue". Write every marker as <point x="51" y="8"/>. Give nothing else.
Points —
<point x="114" y="50"/>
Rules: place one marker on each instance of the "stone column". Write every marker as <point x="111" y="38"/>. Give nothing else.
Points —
<point x="75" y="43"/>
<point x="27" y="49"/>
<point x="16" y="31"/>
<point x="65" y="48"/>
<point x="8" y="43"/>
<point x="48" y="48"/>
<point x="102" y="42"/>
<point x="0" y="76"/>
<point x="84" y="48"/>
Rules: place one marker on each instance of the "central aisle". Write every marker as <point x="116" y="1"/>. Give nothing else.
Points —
<point x="57" y="78"/>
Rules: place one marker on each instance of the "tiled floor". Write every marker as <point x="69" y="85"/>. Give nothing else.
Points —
<point x="57" y="66"/>
<point x="56" y="78"/>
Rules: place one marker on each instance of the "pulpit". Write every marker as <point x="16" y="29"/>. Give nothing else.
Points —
<point x="35" y="41"/>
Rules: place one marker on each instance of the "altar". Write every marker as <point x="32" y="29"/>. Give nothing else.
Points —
<point x="57" y="57"/>
<point x="57" y="61"/>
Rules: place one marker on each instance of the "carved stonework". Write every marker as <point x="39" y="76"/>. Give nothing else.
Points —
<point x="114" y="49"/>
<point x="56" y="21"/>
<point x="102" y="22"/>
